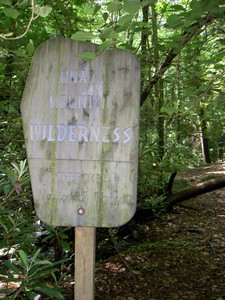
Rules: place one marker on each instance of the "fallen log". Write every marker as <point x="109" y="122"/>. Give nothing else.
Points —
<point x="195" y="190"/>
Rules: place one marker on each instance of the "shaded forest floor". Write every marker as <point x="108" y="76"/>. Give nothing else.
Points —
<point x="178" y="256"/>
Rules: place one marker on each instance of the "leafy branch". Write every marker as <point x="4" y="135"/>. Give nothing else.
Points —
<point x="27" y="274"/>
<point x="193" y="30"/>
<point x="17" y="177"/>
<point x="32" y="18"/>
<point x="42" y="11"/>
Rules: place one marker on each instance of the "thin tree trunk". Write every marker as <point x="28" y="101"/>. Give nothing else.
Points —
<point x="158" y="95"/>
<point x="204" y="138"/>
<point x="144" y="33"/>
<point x="158" y="90"/>
<point x="161" y="122"/>
<point x="146" y="59"/>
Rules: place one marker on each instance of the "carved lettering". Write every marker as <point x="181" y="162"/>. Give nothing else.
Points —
<point x="75" y="102"/>
<point x="74" y="77"/>
<point x="58" y="196"/>
<point x="116" y="135"/>
<point x="95" y="134"/>
<point x="127" y="135"/>
<point x="77" y="177"/>
<point x="115" y="199"/>
<point x="83" y="131"/>
<point x="79" y="133"/>
<point x="50" y="134"/>
<point x="61" y="133"/>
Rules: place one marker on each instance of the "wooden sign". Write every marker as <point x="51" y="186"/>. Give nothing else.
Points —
<point x="80" y="123"/>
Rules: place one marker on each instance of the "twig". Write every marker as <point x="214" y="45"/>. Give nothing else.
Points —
<point x="32" y="18"/>
<point x="211" y="245"/>
<point x="6" y="198"/>
<point x="123" y="260"/>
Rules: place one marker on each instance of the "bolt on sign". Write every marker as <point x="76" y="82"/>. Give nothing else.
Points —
<point x="80" y="123"/>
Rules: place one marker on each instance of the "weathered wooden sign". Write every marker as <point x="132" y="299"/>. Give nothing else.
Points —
<point x="80" y="123"/>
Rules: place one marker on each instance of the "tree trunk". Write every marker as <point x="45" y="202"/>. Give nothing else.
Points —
<point x="144" y="33"/>
<point x="158" y="94"/>
<point x="158" y="90"/>
<point x="196" y="190"/>
<point x="204" y="138"/>
<point x="146" y="59"/>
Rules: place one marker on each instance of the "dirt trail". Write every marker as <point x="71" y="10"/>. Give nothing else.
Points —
<point x="180" y="256"/>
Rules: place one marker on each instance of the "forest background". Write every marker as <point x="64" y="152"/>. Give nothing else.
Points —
<point x="181" y="47"/>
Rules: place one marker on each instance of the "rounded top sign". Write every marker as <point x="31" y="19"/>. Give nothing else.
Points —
<point x="80" y="123"/>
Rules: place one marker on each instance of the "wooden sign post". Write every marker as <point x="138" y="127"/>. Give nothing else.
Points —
<point x="80" y="123"/>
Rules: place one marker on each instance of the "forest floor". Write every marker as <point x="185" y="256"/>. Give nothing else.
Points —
<point x="177" y="256"/>
<point x="180" y="255"/>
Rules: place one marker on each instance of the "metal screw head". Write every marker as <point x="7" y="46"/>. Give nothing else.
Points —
<point x="81" y="211"/>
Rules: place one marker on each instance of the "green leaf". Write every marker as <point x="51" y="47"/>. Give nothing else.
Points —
<point x="125" y="19"/>
<point x="30" y="48"/>
<point x="61" y="261"/>
<point x="11" y="267"/>
<point x="11" y="12"/>
<point x="15" y="166"/>
<point x="11" y="175"/>
<point x="43" y="11"/>
<point x="127" y="46"/>
<point x="219" y="66"/>
<point x="6" y="2"/>
<point x="18" y="230"/>
<point x="148" y="2"/>
<point x="23" y="167"/>
<point x="40" y="271"/>
<point x="168" y="110"/>
<point x="31" y="295"/>
<point x="173" y="21"/>
<point x="6" y="229"/>
<point x="83" y="36"/>
<point x="177" y="7"/>
<point x="11" y="219"/>
<point x="96" y="9"/>
<point x="65" y="245"/>
<point x="20" y="52"/>
<point x="5" y="291"/>
<point x="61" y="234"/>
<point x="7" y="275"/>
<point x="2" y="187"/>
<point x="24" y="258"/>
<point x="35" y="256"/>
<point x="48" y="237"/>
<point x="7" y="189"/>
<point x="196" y="11"/>
<point x="43" y="262"/>
<point x="60" y="5"/>
<point x="132" y="6"/>
<point x="107" y="33"/>
<point x="105" y="16"/>
<point x="104" y="46"/>
<point x="114" y="6"/>
<point x="86" y="56"/>
<point x="66" y="229"/>
<point x="35" y="273"/>
<point x="51" y="292"/>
